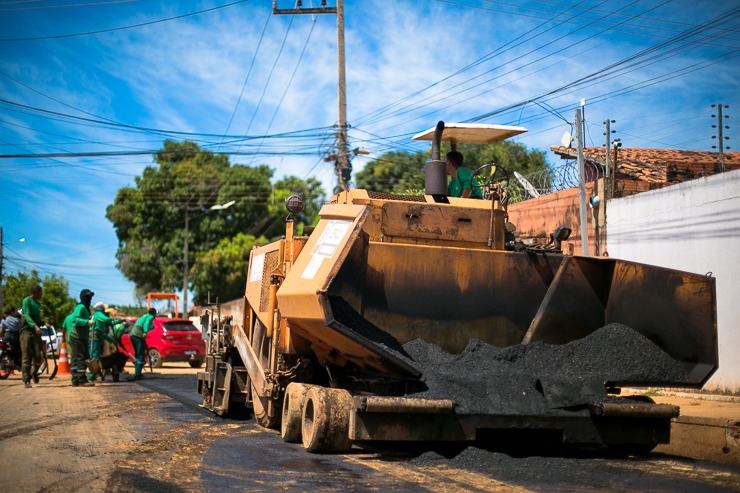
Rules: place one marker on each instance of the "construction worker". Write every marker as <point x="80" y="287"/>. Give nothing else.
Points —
<point x="462" y="183"/>
<point x="67" y="331"/>
<point x="101" y="324"/>
<point x="31" y="343"/>
<point x="79" y="339"/>
<point x="138" y="340"/>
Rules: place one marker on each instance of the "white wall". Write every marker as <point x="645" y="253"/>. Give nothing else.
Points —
<point x="694" y="227"/>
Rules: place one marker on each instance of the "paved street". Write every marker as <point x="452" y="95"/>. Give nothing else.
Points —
<point x="152" y="436"/>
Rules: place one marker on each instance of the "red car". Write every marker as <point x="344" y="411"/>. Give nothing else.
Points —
<point x="172" y="339"/>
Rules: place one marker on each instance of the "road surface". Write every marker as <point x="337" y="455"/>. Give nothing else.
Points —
<point x="152" y="436"/>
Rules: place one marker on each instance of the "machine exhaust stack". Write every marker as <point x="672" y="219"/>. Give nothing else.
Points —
<point x="435" y="170"/>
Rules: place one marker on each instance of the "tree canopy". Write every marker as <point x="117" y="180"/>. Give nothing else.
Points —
<point x="403" y="172"/>
<point x="182" y="186"/>
<point x="55" y="303"/>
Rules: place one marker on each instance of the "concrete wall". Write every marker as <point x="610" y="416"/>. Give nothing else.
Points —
<point x="694" y="227"/>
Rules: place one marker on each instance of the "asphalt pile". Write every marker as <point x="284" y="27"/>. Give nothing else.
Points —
<point x="531" y="379"/>
<point x="541" y="378"/>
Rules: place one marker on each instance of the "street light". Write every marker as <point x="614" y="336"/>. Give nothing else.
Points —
<point x="217" y="207"/>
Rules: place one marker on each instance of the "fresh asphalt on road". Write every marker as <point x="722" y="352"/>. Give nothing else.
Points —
<point x="151" y="435"/>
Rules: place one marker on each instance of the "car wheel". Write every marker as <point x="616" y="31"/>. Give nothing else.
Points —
<point x="196" y="363"/>
<point x="155" y="359"/>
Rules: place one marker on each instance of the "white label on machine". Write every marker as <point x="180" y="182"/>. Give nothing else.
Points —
<point x="326" y="246"/>
<point x="258" y="263"/>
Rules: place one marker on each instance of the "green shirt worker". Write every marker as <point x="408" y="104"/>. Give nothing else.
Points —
<point x="137" y="334"/>
<point x="67" y="325"/>
<point x="101" y="324"/>
<point x="79" y="339"/>
<point x="462" y="184"/>
<point x="31" y="343"/>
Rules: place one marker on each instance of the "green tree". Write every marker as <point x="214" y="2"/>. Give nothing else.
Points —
<point x="222" y="271"/>
<point x="56" y="302"/>
<point x="393" y="172"/>
<point x="401" y="172"/>
<point x="183" y="185"/>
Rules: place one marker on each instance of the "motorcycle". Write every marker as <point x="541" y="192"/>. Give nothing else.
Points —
<point x="7" y="360"/>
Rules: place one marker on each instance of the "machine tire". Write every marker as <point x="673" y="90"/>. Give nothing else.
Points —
<point x="292" y="420"/>
<point x="325" y="427"/>
<point x="155" y="359"/>
<point x="195" y="363"/>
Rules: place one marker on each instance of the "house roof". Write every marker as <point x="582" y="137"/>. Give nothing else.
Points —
<point x="653" y="167"/>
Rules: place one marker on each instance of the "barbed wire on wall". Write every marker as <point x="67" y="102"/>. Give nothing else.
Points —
<point x="550" y="180"/>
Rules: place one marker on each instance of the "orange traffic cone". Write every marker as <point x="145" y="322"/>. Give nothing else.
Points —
<point x="63" y="361"/>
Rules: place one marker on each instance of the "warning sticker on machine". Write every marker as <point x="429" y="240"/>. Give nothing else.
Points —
<point x="328" y="242"/>
<point x="258" y="263"/>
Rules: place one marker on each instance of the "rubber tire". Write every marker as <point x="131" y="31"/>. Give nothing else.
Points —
<point x="292" y="420"/>
<point x="195" y="363"/>
<point x="155" y="359"/>
<point x="325" y="422"/>
<point x="5" y="373"/>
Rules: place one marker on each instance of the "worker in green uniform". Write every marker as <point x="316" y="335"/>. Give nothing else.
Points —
<point x="67" y="330"/>
<point x="101" y="324"/>
<point x="462" y="184"/>
<point x="31" y="344"/>
<point x="79" y="339"/>
<point x="138" y="334"/>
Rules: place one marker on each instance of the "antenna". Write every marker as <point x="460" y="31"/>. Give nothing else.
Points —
<point x="527" y="185"/>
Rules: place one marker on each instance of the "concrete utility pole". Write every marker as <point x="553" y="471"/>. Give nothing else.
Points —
<point x="582" y="185"/>
<point x="721" y="144"/>
<point x="342" y="166"/>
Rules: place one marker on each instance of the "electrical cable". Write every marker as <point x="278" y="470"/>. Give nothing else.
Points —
<point x="142" y="24"/>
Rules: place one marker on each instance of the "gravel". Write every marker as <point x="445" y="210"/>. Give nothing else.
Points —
<point x="532" y="379"/>
<point x="539" y="377"/>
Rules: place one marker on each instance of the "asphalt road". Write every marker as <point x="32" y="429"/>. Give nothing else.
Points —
<point x="152" y="436"/>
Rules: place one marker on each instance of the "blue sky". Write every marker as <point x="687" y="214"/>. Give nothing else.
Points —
<point x="73" y="81"/>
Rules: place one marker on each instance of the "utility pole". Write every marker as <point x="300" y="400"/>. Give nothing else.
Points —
<point x="608" y="158"/>
<point x="342" y="166"/>
<point x="720" y="126"/>
<point x="582" y="184"/>
<point x="185" y="270"/>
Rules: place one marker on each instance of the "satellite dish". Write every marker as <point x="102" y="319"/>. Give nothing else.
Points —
<point x="566" y="139"/>
<point x="527" y="186"/>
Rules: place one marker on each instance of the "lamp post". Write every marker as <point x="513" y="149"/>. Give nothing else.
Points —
<point x="217" y="207"/>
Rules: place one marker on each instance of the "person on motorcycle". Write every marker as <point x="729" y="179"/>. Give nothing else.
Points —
<point x="10" y="328"/>
<point x="102" y="323"/>
<point x="138" y="341"/>
<point x="31" y="343"/>
<point x="79" y="339"/>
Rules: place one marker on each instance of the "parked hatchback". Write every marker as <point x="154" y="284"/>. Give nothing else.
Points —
<point x="172" y="339"/>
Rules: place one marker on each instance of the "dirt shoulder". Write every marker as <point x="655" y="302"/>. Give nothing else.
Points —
<point x="111" y="437"/>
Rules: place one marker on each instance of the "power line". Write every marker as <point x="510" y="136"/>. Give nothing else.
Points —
<point x="101" y="31"/>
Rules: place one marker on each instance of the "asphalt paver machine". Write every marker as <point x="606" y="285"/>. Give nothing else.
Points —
<point x="318" y="349"/>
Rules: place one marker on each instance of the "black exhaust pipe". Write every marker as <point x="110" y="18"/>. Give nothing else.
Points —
<point x="435" y="170"/>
